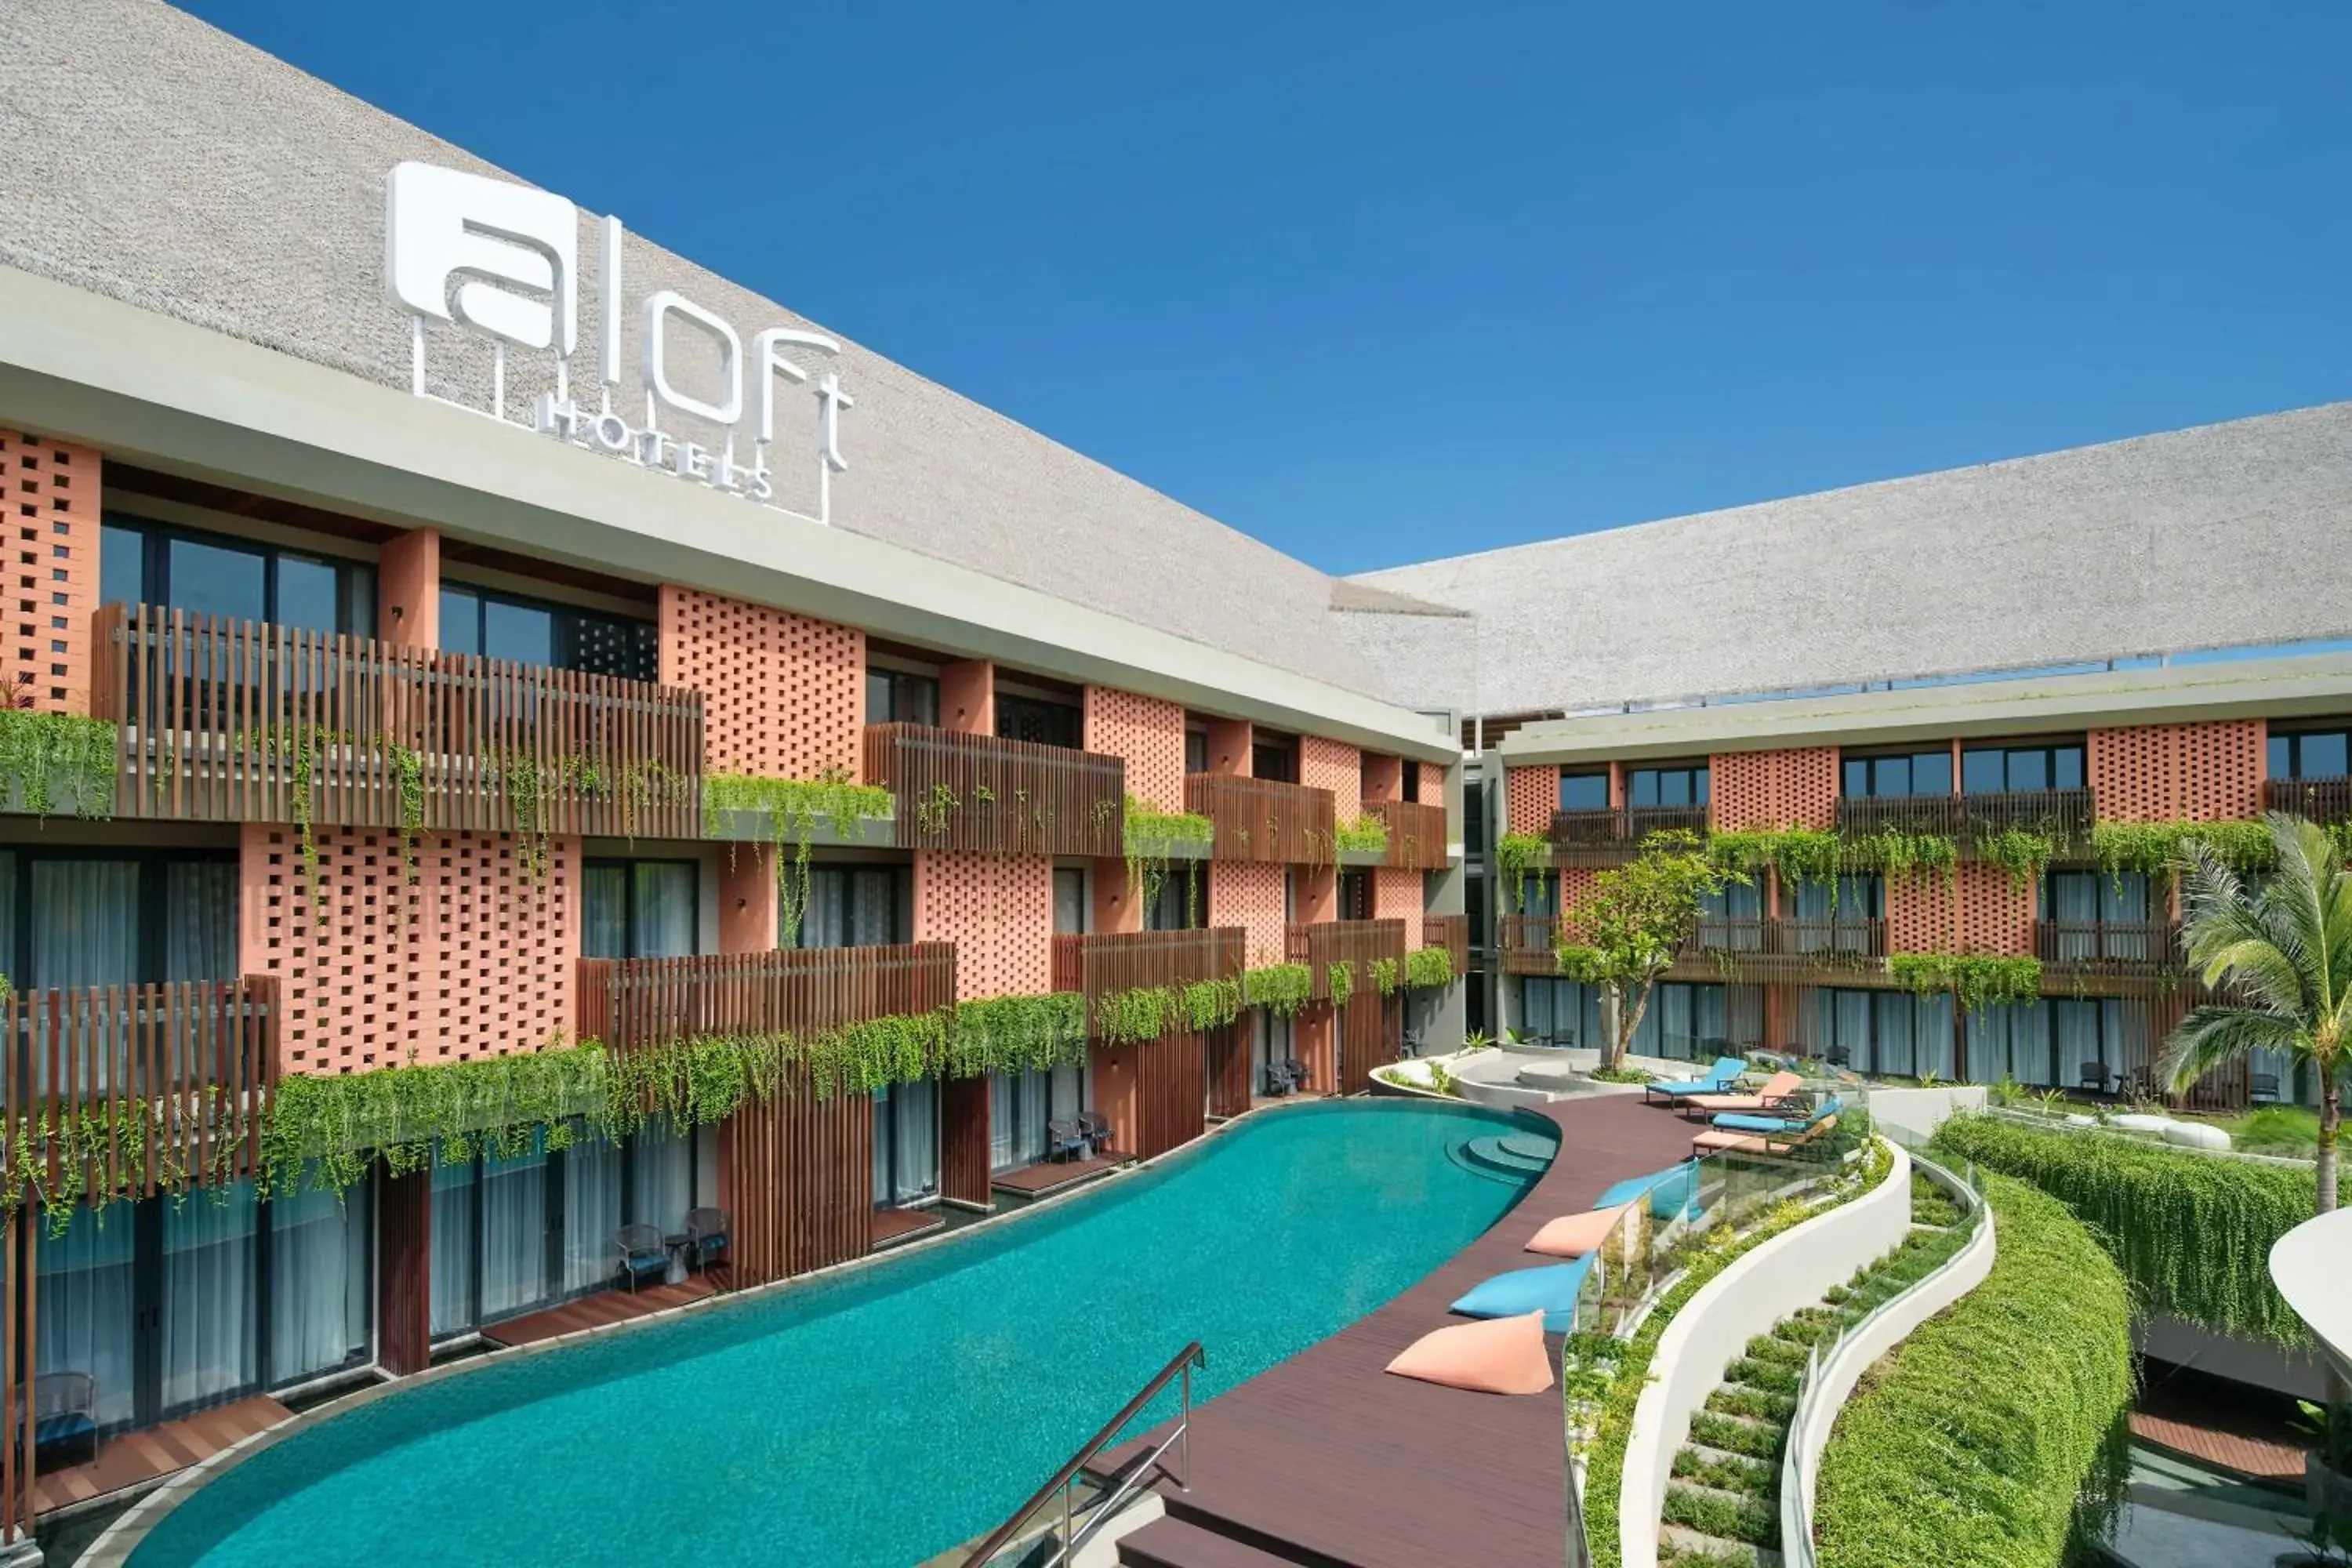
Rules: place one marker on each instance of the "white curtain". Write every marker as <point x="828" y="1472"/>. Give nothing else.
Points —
<point x="514" y="1235"/>
<point x="1017" y="1110"/>
<point x="209" y="1309"/>
<point x="200" y="919"/>
<point x="1534" y="1007"/>
<point x="662" y="1178"/>
<point x="87" y="933"/>
<point x="318" y="1281"/>
<point x="850" y="908"/>
<point x="2077" y="1023"/>
<point x="666" y="899"/>
<point x="1068" y="1091"/>
<point x="456" y="1249"/>
<point x="592" y="1213"/>
<point x="915" y="1141"/>
<point x="2010" y="1040"/>
<point x="605" y="911"/>
<point x="85" y="1305"/>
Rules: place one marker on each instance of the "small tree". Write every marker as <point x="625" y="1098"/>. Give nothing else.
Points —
<point x="1636" y="922"/>
<point x="2280" y="956"/>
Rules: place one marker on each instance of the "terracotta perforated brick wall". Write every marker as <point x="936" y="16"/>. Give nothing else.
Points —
<point x="52" y="575"/>
<point x="1248" y="894"/>
<point x="998" y="910"/>
<point x="1983" y="911"/>
<point x="2165" y="773"/>
<point x="1576" y="884"/>
<point x="1149" y="733"/>
<point x="1328" y="765"/>
<point x="1773" y="789"/>
<point x="1529" y="798"/>
<point x="475" y="959"/>
<point x="784" y="696"/>
<point x="1397" y="895"/>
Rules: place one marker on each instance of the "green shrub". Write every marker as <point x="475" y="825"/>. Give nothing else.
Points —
<point x="1971" y="1446"/>
<point x="1745" y="1519"/>
<point x="1736" y="1437"/>
<point x="2192" y="1233"/>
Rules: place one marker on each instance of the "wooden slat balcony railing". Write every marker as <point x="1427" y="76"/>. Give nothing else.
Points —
<point x="196" y="1059"/>
<point x="2109" y="946"/>
<point x="2321" y="800"/>
<point x="1416" y="833"/>
<point x="1451" y="932"/>
<point x="633" y="1003"/>
<point x="1109" y="963"/>
<point x="984" y="792"/>
<point x="1264" y="819"/>
<point x="1524" y="943"/>
<point x="1355" y="943"/>
<point x="223" y="720"/>
<point x="2064" y="813"/>
<point x="1622" y="826"/>
<point x="1785" y="942"/>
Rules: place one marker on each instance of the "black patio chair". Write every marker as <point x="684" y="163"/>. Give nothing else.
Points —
<point x="1065" y="1139"/>
<point x="706" y="1236"/>
<point x="1095" y="1128"/>
<point x="2263" y="1088"/>
<point x="65" y="1412"/>
<point x="644" y="1254"/>
<point x="1300" y="1077"/>
<point x="2095" y="1076"/>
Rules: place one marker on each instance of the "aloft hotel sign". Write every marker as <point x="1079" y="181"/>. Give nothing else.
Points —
<point x="503" y="260"/>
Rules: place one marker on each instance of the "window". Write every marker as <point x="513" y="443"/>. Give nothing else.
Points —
<point x="2099" y="916"/>
<point x="1993" y="770"/>
<point x="1274" y="757"/>
<point x="1181" y="900"/>
<point x="1667" y="787"/>
<point x="1888" y="1032"/>
<point x="562" y="637"/>
<point x="1196" y="750"/>
<point x="905" y="1143"/>
<point x="1861" y="895"/>
<point x="1411" y="787"/>
<point x="859" y="906"/>
<point x="895" y="697"/>
<point x="1908" y="774"/>
<point x="1038" y="721"/>
<point x="119" y="919"/>
<point x="1538" y="893"/>
<point x="2311" y="754"/>
<point x="1069" y="901"/>
<point x="1474" y="900"/>
<point x="1583" y="791"/>
<point x="1019" y="1106"/>
<point x="1355" y="895"/>
<point x="144" y="563"/>
<point x="1473" y="818"/>
<point x="640" y="908"/>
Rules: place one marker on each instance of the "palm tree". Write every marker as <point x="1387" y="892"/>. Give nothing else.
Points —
<point x="2279" y="955"/>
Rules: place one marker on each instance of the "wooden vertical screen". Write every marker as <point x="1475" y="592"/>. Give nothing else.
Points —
<point x="404" y="1294"/>
<point x="1265" y="819"/>
<point x="982" y="792"/>
<point x="964" y="1141"/>
<point x="19" y="1234"/>
<point x="797" y="1174"/>
<point x="1372" y="1032"/>
<point x="1228" y="1067"/>
<point x="1171" y="1090"/>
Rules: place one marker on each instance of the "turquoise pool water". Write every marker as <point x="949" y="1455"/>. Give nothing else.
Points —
<point x="887" y="1416"/>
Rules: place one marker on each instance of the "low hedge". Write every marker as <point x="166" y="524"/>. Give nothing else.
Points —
<point x="2192" y="1233"/>
<point x="1973" y="1445"/>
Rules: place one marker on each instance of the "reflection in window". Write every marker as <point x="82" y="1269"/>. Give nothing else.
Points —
<point x="1912" y="773"/>
<point x="1667" y="787"/>
<point x="1583" y="792"/>
<point x="2310" y="754"/>
<point x="1993" y="770"/>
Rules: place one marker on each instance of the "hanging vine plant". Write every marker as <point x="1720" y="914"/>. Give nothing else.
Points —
<point x="1281" y="989"/>
<point x="795" y="809"/>
<point x="2023" y="852"/>
<point x="1386" y="973"/>
<point x="1903" y="857"/>
<point x="1516" y="856"/>
<point x="1341" y="981"/>
<point x="48" y="757"/>
<point x="1428" y="968"/>
<point x="1131" y="1017"/>
<point x="2154" y="848"/>
<point x="1797" y="853"/>
<point x="1151" y="839"/>
<point x="1976" y="980"/>
<point x="1365" y="835"/>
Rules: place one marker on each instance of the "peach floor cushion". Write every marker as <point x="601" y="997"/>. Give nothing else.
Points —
<point x="1574" y="1235"/>
<point x="1503" y="1355"/>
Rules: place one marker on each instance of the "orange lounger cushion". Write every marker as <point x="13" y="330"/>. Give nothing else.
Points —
<point x="1715" y="1140"/>
<point x="1504" y="1355"/>
<point x="1574" y="1235"/>
<point x="1779" y="1086"/>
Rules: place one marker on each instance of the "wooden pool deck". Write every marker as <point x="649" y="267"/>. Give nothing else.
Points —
<point x="892" y="1226"/>
<point x="602" y="1308"/>
<point x="1052" y="1175"/>
<point x="136" y="1457"/>
<point x="1326" y="1459"/>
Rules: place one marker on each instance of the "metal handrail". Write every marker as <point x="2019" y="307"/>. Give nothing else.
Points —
<point x="1191" y="1356"/>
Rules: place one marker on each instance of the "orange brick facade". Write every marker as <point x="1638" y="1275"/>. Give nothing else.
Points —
<point x="1773" y="789"/>
<point x="52" y="573"/>
<point x="1328" y="765"/>
<point x="1250" y="895"/>
<point x="1149" y="733"/>
<point x="1982" y="909"/>
<point x="998" y="910"/>
<point x="1398" y="895"/>
<point x="2168" y="772"/>
<point x="1529" y="798"/>
<point x="784" y="696"/>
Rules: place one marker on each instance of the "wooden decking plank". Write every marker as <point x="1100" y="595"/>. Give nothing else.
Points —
<point x="136" y="1457"/>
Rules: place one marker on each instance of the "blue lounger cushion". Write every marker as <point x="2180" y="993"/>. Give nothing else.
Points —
<point x="68" y="1426"/>
<point x="1670" y="1190"/>
<point x="1551" y="1289"/>
<point x="1715" y="1080"/>
<point x="1741" y="1121"/>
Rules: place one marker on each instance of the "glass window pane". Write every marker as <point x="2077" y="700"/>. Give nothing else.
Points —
<point x="86" y="1305"/>
<point x="662" y="1178"/>
<point x="461" y="621"/>
<point x="1857" y="777"/>
<point x="209" y="1307"/>
<point x="200" y="919"/>
<point x="522" y="633"/>
<point x="2028" y="769"/>
<point x="217" y="580"/>
<point x="592" y="1213"/>
<point x="1894" y="775"/>
<point x="1699" y="796"/>
<point x="919" y="700"/>
<point x="88" y="933"/>
<point x="605" y="911"/>
<point x="2066" y="767"/>
<point x="359" y="599"/>
<point x="665" y="895"/>
<point x="2274" y="749"/>
<point x="306" y="594"/>
<point x="1069" y="901"/>
<point x="514" y="1235"/>
<point x="318" y="1281"/>
<point x="456" y="1254"/>
<point x="1584" y="791"/>
<point x="122" y="565"/>
<point x="877" y="697"/>
<point x="1643" y="787"/>
<point x="1674" y="787"/>
<point x="1931" y="774"/>
<point x="1984" y="770"/>
<point x="2324" y="755"/>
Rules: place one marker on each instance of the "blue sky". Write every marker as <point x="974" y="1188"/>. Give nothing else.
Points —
<point x="1377" y="281"/>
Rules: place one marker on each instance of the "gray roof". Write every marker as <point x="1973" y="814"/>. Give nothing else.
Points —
<point x="156" y="160"/>
<point x="2224" y="535"/>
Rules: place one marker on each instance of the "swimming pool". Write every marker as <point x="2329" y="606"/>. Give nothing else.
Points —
<point x="886" y="1415"/>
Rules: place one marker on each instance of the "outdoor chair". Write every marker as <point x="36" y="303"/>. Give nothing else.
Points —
<point x="1717" y="1080"/>
<point x="2263" y="1088"/>
<point x="1838" y="1057"/>
<point x="644" y="1254"/>
<point x="1095" y="1128"/>
<point x="1300" y="1077"/>
<point x="1065" y="1139"/>
<point x="2095" y="1076"/>
<point x="65" y="1411"/>
<point x="706" y="1236"/>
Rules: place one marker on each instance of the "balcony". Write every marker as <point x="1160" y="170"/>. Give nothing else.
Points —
<point x="1265" y="820"/>
<point x="1451" y="932"/>
<point x="2107" y="947"/>
<point x="199" y="1058"/>
<point x="222" y="721"/>
<point x="630" y="1004"/>
<point x="1619" y="830"/>
<point x="1523" y="943"/>
<point x="2321" y="800"/>
<point x="996" y="796"/>
<point x="1784" y="942"/>
<point x="1106" y="964"/>
<point x="1356" y="943"/>
<point x="2065" y="813"/>
<point x="1416" y="833"/>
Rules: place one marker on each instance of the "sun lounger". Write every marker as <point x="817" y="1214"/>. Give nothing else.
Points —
<point x="1776" y="1087"/>
<point x="1714" y="1141"/>
<point x="1719" y="1080"/>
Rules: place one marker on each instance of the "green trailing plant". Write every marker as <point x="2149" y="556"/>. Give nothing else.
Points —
<point x="2155" y="849"/>
<point x="46" y="756"/>
<point x="408" y="778"/>
<point x="1339" y="979"/>
<point x="1281" y="989"/>
<point x="1901" y="856"/>
<point x="1428" y="968"/>
<point x="2192" y="1233"/>
<point x="1145" y="1014"/>
<point x="1988" y="1437"/>
<point x="1153" y="838"/>
<point x="1798" y="854"/>
<point x="1516" y="856"/>
<point x="1975" y="979"/>
<point x="1386" y="973"/>
<point x="1638" y="918"/>
<point x="1365" y="835"/>
<point x="1018" y="1034"/>
<point x="795" y="809"/>
<point x="2023" y="852"/>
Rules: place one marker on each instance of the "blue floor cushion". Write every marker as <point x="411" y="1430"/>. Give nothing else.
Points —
<point x="1551" y="1289"/>
<point x="1670" y="1190"/>
<point x="1733" y="1122"/>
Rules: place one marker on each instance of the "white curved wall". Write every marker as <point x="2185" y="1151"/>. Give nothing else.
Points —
<point x="1759" y="1289"/>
